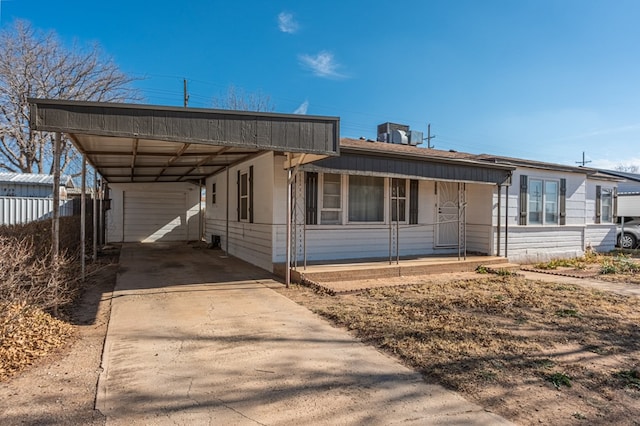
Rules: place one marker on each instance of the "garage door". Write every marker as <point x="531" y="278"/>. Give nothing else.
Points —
<point x="155" y="216"/>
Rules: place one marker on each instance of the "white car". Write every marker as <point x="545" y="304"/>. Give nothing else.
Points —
<point x="631" y="236"/>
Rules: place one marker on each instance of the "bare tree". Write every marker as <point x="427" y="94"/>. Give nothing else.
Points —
<point x="628" y="168"/>
<point x="238" y="99"/>
<point x="34" y="63"/>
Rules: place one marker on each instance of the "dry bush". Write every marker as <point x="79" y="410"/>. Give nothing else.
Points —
<point x="32" y="284"/>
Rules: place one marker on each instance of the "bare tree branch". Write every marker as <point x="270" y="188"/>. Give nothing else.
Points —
<point x="238" y="99"/>
<point x="34" y="63"/>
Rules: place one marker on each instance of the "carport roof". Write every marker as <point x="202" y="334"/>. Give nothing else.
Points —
<point x="145" y="143"/>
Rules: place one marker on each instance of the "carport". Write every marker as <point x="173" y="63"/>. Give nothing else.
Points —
<point x="141" y="145"/>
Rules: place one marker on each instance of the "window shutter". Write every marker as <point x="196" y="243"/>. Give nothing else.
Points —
<point x="250" y="207"/>
<point x="563" y="201"/>
<point x="615" y="205"/>
<point x="523" y="200"/>
<point x="238" y="184"/>
<point x="598" y="203"/>
<point x="413" y="202"/>
<point x="311" y="198"/>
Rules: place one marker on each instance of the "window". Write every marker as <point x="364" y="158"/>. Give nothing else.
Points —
<point x="366" y="199"/>
<point x="331" y="211"/>
<point x="213" y="193"/>
<point x="398" y="199"/>
<point x="604" y="205"/>
<point x="244" y="196"/>
<point x="543" y="202"/>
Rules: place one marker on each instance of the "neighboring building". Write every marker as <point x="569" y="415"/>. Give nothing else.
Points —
<point x="378" y="200"/>
<point x="32" y="185"/>
<point x="25" y="197"/>
<point x="628" y="193"/>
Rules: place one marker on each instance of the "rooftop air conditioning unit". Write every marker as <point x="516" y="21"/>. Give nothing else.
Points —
<point x="385" y="131"/>
<point x="415" y="137"/>
<point x="399" y="137"/>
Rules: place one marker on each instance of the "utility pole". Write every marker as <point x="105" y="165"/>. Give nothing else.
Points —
<point x="186" y="93"/>
<point x="584" y="161"/>
<point x="429" y="137"/>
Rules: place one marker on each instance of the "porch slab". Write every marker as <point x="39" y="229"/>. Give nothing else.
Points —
<point x="336" y="272"/>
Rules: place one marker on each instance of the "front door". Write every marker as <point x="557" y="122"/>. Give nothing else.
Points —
<point x="447" y="217"/>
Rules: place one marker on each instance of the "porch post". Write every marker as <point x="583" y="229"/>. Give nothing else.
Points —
<point x="83" y="216"/>
<point x="499" y="211"/>
<point x="287" y="273"/>
<point x="226" y="237"/>
<point x="506" y="223"/>
<point x="464" y="218"/>
<point x="95" y="216"/>
<point x="390" y="222"/>
<point x="458" y="223"/>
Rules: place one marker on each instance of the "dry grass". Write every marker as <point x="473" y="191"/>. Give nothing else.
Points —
<point x="506" y="342"/>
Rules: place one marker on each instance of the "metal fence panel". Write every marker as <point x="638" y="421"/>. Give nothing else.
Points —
<point x="15" y="210"/>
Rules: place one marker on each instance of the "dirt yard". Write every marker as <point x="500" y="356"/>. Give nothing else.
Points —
<point x="534" y="352"/>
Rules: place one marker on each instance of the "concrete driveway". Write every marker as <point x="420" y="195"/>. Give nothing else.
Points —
<point x="198" y="338"/>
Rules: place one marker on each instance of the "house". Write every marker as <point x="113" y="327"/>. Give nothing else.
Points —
<point x="628" y="193"/>
<point x="381" y="200"/>
<point x="285" y="189"/>
<point x="25" y="197"/>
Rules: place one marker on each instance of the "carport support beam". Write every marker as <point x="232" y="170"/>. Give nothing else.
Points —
<point x="55" y="225"/>
<point x="95" y="216"/>
<point x="83" y="217"/>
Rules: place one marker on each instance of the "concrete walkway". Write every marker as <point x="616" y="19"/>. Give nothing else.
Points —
<point x="196" y="338"/>
<point x="623" y="289"/>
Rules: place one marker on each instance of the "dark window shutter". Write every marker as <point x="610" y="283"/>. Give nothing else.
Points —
<point x="563" y="201"/>
<point x="598" y="203"/>
<point x="238" y="196"/>
<point x="413" y="202"/>
<point x="251" y="194"/>
<point x="615" y="205"/>
<point x="311" y="198"/>
<point x="523" y="200"/>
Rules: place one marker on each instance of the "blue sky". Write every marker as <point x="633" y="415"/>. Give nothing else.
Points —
<point x="539" y="79"/>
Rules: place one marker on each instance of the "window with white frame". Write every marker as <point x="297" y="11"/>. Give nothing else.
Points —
<point x="543" y="202"/>
<point x="366" y="199"/>
<point x="331" y="209"/>
<point x="398" y="199"/>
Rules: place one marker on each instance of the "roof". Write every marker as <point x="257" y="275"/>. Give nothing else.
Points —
<point x="34" y="179"/>
<point x="385" y="159"/>
<point x="625" y="175"/>
<point x="147" y="143"/>
<point x="451" y="155"/>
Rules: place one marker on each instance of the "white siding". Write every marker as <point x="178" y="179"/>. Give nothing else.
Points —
<point x="185" y="194"/>
<point x="248" y="241"/>
<point x="600" y="237"/>
<point x="529" y="244"/>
